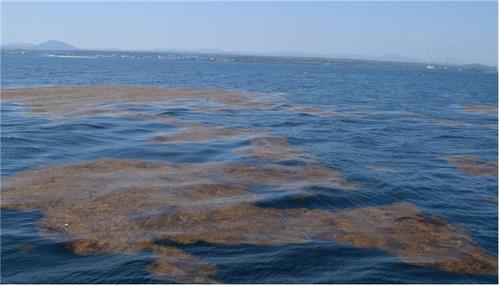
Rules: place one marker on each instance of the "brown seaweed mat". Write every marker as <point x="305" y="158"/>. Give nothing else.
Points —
<point x="126" y="206"/>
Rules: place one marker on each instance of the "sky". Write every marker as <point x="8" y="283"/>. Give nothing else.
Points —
<point x="462" y="32"/>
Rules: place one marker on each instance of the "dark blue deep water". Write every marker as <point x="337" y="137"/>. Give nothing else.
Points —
<point x="392" y="155"/>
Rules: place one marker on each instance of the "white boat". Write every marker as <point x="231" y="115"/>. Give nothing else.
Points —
<point x="429" y="66"/>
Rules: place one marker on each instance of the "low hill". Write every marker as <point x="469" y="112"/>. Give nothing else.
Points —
<point x="48" y="45"/>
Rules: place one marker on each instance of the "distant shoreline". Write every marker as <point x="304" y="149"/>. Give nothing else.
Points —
<point x="227" y="57"/>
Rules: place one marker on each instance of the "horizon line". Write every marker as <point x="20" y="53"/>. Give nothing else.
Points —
<point x="217" y="51"/>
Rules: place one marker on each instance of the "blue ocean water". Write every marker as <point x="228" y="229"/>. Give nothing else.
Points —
<point x="393" y="155"/>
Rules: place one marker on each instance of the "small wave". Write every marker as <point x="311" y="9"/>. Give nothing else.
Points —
<point x="70" y="56"/>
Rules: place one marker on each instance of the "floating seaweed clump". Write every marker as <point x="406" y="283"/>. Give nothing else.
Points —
<point x="473" y="165"/>
<point x="205" y="133"/>
<point x="77" y="100"/>
<point x="27" y="248"/>
<point x="493" y="200"/>
<point x="128" y="206"/>
<point x="274" y="149"/>
<point x="490" y="109"/>
<point x="313" y="111"/>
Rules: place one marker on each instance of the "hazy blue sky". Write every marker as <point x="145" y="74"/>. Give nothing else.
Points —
<point x="467" y="31"/>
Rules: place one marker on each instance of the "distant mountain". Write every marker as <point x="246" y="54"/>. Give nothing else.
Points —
<point x="48" y="45"/>
<point x="54" y="45"/>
